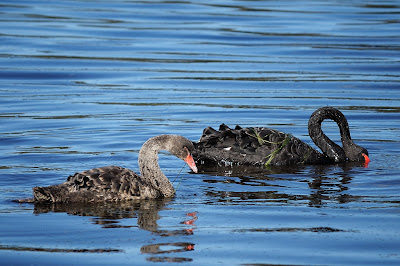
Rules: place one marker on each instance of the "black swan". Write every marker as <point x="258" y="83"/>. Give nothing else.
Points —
<point x="114" y="183"/>
<point x="262" y="146"/>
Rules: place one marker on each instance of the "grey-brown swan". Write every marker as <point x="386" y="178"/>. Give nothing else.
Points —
<point x="265" y="146"/>
<point x="114" y="183"/>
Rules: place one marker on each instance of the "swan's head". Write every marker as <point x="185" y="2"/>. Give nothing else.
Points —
<point x="356" y="153"/>
<point x="182" y="148"/>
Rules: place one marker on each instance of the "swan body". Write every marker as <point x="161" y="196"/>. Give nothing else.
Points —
<point x="114" y="183"/>
<point x="265" y="146"/>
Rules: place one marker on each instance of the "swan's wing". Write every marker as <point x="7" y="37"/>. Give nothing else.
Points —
<point x="109" y="183"/>
<point x="236" y="146"/>
<point x="251" y="146"/>
<point x="110" y="179"/>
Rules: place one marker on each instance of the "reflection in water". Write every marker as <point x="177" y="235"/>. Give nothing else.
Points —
<point x="108" y="215"/>
<point x="271" y="184"/>
<point x="63" y="250"/>
<point x="191" y="222"/>
<point x="167" y="248"/>
<point x="292" y="229"/>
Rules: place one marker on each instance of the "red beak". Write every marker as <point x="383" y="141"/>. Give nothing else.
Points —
<point x="189" y="160"/>
<point x="366" y="158"/>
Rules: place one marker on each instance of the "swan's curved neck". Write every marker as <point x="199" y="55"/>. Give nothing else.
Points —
<point x="149" y="167"/>
<point x="327" y="146"/>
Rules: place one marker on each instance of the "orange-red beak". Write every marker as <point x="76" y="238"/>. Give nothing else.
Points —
<point x="189" y="160"/>
<point x="366" y="159"/>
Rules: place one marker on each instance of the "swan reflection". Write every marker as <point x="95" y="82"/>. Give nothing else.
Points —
<point x="109" y="215"/>
<point x="165" y="248"/>
<point x="314" y="185"/>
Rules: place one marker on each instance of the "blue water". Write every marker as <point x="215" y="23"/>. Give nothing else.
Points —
<point x="84" y="83"/>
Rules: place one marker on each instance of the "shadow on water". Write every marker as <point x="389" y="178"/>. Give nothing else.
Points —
<point x="109" y="215"/>
<point x="324" y="183"/>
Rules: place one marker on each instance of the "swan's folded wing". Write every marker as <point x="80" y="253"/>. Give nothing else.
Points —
<point x="110" y="183"/>
<point x="253" y="146"/>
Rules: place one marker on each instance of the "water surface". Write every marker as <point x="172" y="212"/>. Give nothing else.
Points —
<point x="83" y="84"/>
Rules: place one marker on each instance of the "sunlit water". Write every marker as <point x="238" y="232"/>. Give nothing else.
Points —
<point x="85" y="83"/>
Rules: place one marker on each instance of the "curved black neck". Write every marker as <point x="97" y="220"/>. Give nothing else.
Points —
<point x="327" y="146"/>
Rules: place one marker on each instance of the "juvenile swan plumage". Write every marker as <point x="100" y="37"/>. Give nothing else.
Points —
<point x="114" y="183"/>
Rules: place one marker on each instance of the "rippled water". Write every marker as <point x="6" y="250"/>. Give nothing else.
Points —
<point x="85" y="83"/>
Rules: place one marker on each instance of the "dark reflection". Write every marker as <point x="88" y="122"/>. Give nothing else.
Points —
<point x="63" y="250"/>
<point x="331" y="187"/>
<point x="326" y="183"/>
<point x="109" y="215"/>
<point x="167" y="248"/>
<point x="247" y="170"/>
<point x="293" y="229"/>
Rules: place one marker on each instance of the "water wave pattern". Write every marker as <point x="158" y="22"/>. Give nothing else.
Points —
<point x="84" y="83"/>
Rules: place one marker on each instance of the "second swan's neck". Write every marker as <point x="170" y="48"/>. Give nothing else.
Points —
<point x="328" y="147"/>
<point x="149" y="168"/>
